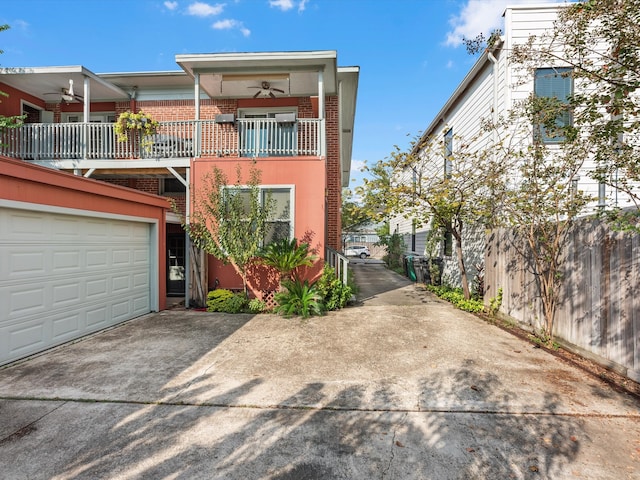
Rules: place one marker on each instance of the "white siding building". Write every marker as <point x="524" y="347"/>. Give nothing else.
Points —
<point x="493" y="86"/>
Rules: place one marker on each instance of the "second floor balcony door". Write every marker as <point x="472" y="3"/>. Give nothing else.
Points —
<point x="262" y="136"/>
<point x="101" y="142"/>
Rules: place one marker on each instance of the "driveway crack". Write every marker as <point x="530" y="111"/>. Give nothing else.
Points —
<point x="394" y="443"/>
<point x="28" y="428"/>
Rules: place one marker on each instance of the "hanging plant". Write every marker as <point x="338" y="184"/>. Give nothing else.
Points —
<point x="142" y="122"/>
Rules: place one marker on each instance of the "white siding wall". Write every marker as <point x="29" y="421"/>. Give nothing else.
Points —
<point x="521" y="22"/>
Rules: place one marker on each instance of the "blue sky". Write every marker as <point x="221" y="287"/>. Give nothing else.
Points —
<point x="409" y="51"/>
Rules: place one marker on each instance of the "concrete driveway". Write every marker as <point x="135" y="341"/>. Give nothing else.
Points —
<point x="401" y="386"/>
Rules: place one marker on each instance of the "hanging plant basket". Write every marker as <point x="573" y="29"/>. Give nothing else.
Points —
<point x="136" y="122"/>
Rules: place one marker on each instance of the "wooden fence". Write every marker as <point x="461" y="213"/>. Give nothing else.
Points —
<point x="599" y="308"/>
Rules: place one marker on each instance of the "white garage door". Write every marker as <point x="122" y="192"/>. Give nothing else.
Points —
<point x="64" y="276"/>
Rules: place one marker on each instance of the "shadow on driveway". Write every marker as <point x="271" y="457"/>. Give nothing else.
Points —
<point x="400" y="387"/>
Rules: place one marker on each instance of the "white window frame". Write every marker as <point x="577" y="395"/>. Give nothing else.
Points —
<point x="102" y="117"/>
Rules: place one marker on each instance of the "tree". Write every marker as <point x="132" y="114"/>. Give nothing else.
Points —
<point x="433" y="182"/>
<point x="353" y="215"/>
<point x="536" y="191"/>
<point x="230" y="222"/>
<point x="600" y="41"/>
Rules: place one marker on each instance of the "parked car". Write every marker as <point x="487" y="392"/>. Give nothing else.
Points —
<point x="357" y="251"/>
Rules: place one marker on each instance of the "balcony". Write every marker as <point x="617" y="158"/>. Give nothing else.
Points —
<point x="255" y="137"/>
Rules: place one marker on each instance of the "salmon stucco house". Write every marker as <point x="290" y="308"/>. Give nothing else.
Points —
<point x="290" y="114"/>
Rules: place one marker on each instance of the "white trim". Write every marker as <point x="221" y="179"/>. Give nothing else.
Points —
<point x="266" y="110"/>
<point x="102" y="116"/>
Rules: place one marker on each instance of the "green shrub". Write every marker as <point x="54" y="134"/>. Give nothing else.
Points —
<point x="237" y="303"/>
<point x="217" y="298"/>
<point x="456" y="297"/>
<point x="496" y="302"/>
<point x="334" y="293"/>
<point x="300" y="299"/>
<point x="227" y="302"/>
<point x="257" y="306"/>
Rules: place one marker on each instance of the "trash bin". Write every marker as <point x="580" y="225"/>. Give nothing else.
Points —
<point x="429" y="278"/>
<point x="411" y="271"/>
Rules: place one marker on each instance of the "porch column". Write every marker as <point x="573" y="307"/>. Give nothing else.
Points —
<point x="86" y="110"/>
<point x="187" y="241"/>
<point x="198" y="129"/>
<point x="321" y="114"/>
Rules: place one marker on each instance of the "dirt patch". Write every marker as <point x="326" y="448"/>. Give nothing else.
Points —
<point x="618" y="382"/>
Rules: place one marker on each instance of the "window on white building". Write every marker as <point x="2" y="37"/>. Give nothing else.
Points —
<point x="448" y="153"/>
<point x="556" y="83"/>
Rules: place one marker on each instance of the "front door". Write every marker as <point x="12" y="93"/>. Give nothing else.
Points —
<point x="175" y="264"/>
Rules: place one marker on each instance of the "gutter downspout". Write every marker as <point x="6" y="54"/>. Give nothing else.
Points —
<point x="494" y="108"/>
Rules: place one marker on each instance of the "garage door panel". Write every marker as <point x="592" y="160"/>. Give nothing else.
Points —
<point x="65" y="327"/>
<point x="25" y="337"/>
<point x="64" y="276"/>
<point x="25" y="299"/>
<point x="97" y="317"/>
<point x="23" y="225"/>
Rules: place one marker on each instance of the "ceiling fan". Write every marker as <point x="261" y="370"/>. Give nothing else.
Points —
<point x="266" y="89"/>
<point x="67" y="95"/>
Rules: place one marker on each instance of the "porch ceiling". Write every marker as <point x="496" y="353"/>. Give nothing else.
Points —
<point x="234" y="75"/>
<point x="47" y="83"/>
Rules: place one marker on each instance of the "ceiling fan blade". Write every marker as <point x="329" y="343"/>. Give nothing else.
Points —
<point x="70" y="91"/>
<point x="257" y="94"/>
<point x="277" y="90"/>
<point x="271" y="94"/>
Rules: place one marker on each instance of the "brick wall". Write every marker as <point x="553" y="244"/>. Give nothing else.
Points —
<point x="334" y="179"/>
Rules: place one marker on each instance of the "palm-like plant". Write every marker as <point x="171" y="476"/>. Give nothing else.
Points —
<point x="286" y="256"/>
<point x="299" y="298"/>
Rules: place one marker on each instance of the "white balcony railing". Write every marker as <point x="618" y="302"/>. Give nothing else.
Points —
<point x="259" y="137"/>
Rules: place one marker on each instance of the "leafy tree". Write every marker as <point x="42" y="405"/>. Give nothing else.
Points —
<point x="230" y="222"/>
<point x="354" y="215"/>
<point x="432" y="182"/>
<point x="536" y="191"/>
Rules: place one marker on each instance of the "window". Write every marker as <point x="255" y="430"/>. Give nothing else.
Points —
<point x="447" y="244"/>
<point x="171" y="186"/>
<point x="280" y="223"/>
<point x="553" y="83"/>
<point x="448" y="153"/>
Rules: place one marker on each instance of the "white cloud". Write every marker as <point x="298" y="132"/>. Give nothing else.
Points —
<point x="230" y="24"/>
<point x="302" y="5"/>
<point x="21" y="24"/>
<point x="356" y="165"/>
<point x="201" y="9"/>
<point x="480" y="16"/>
<point x="450" y="64"/>
<point x="171" y="5"/>
<point x="283" y="5"/>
